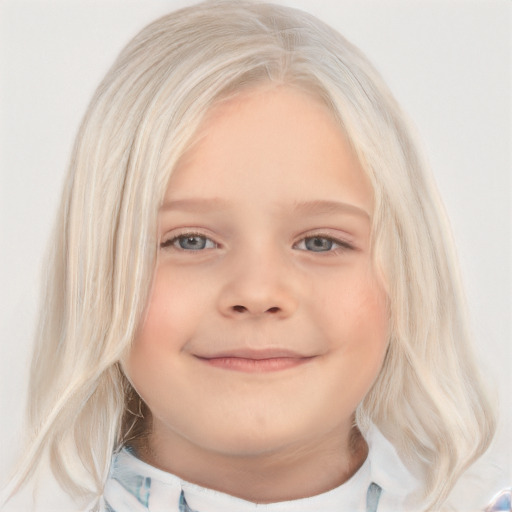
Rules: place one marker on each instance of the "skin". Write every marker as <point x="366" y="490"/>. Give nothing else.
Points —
<point x="262" y="334"/>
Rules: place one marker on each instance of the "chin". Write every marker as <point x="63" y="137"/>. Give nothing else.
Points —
<point x="260" y="436"/>
<point x="250" y="444"/>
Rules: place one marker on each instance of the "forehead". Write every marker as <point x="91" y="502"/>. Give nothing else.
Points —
<point x="278" y="141"/>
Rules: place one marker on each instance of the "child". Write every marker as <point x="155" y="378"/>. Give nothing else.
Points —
<point x="253" y="294"/>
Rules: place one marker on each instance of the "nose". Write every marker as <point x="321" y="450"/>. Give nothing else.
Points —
<point x="259" y="285"/>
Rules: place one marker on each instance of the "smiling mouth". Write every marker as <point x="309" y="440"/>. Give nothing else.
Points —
<point x="255" y="361"/>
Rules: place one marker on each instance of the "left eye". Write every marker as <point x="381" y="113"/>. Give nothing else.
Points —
<point x="190" y="242"/>
<point x="320" y="244"/>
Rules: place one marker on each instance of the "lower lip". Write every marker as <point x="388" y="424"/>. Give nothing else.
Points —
<point x="242" y="364"/>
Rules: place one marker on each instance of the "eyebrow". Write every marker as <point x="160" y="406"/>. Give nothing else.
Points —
<point x="316" y="207"/>
<point x="323" y="206"/>
<point x="195" y="205"/>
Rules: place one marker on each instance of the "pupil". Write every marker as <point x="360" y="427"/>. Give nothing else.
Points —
<point x="319" y="244"/>
<point x="193" y="242"/>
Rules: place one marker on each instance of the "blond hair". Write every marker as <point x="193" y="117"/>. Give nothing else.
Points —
<point x="428" y="399"/>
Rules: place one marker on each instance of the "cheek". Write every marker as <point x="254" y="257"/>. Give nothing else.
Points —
<point x="167" y="325"/>
<point x="370" y="315"/>
<point x="353" y="302"/>
<point x="356" y="324"/>
<point x="175" y="306"/>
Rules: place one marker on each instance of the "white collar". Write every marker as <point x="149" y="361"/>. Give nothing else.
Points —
<point x="135" y="486"/>
<point x="401" y="488"/>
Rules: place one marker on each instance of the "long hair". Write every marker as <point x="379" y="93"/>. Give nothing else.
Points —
<point x="428" y="398"/>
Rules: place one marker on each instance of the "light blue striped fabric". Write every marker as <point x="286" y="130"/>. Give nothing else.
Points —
<point x="373" y="497"/>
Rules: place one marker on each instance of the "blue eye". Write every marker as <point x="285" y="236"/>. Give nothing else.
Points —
<point x="321" y="244"/>
<point x="190" y="242"/>
<point x="318" y="244"/>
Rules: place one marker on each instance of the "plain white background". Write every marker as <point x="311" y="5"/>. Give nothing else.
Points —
<point x="448" y="63"/>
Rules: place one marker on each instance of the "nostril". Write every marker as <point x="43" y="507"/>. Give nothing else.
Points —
<point x="243" y="309"/>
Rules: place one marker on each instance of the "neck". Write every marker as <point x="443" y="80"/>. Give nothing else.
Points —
<point x="273" y="476"/>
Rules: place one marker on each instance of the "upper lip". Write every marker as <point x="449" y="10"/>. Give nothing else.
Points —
<point x="248" y="353"/>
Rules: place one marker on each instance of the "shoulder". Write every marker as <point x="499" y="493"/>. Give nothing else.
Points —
<point x="483" y="487"/>
<point x="400" y="487"/>
<point x="132" y="484"/>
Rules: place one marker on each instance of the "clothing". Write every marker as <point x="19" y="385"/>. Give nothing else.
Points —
<point x="502" y="502"/>
<point x="382" y="484"/>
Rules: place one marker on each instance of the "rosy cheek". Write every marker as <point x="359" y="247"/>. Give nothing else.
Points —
<point x="163" y="307"/>
<point x="365" y="313"/>
<point x="374" y="308"/>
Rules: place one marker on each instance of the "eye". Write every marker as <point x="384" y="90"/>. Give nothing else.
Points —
<point x="189" y="242"/>
<point x="321" y="244"/>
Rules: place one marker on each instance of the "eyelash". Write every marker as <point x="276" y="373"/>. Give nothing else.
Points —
<point x="170" y="243"/>
<point x="342" y="245"/>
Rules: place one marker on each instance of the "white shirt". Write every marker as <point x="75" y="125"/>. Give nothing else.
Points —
<point x="382" y="484"/>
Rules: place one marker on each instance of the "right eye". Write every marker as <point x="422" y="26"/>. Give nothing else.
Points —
<point x="189" y="242"/>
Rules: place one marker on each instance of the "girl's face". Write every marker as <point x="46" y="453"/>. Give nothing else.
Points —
<point x="266" y="324"/>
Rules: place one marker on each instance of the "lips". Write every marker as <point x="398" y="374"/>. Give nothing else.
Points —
<point x="253" y="361"/>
